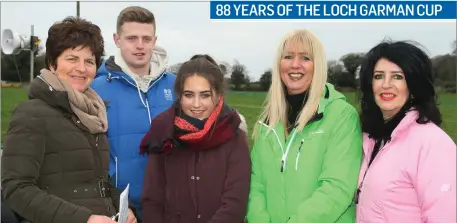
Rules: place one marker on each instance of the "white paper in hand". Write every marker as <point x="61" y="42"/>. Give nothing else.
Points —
<point x="124" y="205"/>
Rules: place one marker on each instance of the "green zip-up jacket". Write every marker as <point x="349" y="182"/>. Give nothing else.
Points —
<point x="310" y="176"/>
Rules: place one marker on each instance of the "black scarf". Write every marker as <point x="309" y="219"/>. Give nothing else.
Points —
<point x="295" y="104"/>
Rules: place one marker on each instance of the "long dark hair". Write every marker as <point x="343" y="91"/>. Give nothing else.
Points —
<point x="417" y="68"/>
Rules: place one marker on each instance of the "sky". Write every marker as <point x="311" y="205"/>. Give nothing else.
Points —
<point x="184" y="29"/>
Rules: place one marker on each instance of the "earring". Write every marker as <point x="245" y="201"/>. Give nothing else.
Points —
<point x="410" y="101"/>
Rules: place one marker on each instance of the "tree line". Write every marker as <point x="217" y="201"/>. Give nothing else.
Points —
<point x="16" y="68"/>
<point x="343" y="73"/>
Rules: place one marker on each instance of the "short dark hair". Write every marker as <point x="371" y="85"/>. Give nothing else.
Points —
<point x="135" y="14"/>
<point x="417" y="68"/>
<point x="71" y="33"/>
<point x="202" y="65"/>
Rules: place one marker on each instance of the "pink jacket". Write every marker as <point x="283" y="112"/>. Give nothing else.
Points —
<point x="412" y="179"/>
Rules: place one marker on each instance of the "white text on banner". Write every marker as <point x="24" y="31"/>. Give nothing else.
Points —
<point x="337" y="10"/>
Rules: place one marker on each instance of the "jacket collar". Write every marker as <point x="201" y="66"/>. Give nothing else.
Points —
<point x="39" y="89"/>
<point x="409" y="119"/>
<point x="406" y="123"/>
<point x="328" y="96"/>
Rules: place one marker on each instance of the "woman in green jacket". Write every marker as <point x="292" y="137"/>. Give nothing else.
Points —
<point x="308" y="142"/>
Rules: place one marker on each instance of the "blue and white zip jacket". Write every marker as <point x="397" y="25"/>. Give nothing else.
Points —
<point x="130" y="110"/>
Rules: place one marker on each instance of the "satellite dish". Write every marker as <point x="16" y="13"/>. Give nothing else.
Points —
<point x="12" y="43"/>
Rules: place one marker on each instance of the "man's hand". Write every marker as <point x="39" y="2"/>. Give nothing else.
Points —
<point x="100" y="219"/>
<point x="131" y="217"/>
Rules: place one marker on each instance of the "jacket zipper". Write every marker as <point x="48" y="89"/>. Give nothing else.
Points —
<point x="284" y="156"/>
<point x="162" y="74"/>
<point x="101" y="181"/>
<point x="97" y="157"/>
<point x="193" y="183"/>
<point x="117" y="173"/>
<point x="196" y="183"/>
<point x="298" y="155"/>
<point x="288" y="143"/>
<point x="147" y="107"/>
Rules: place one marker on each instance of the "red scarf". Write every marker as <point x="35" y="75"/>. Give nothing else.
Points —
<point x="195" y="134"/>
<point x="169" y="131"/>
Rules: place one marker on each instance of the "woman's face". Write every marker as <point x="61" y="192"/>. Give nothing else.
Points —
<point x="297" y="69"/>
<point x="76" y="66"/>
<point x="389" y="88"/>
<point x="197" y="99"/>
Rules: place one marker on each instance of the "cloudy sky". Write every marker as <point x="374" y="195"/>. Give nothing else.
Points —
<point x="184" y="29"/>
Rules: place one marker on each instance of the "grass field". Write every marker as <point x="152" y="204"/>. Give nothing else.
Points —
<point x="248" y="103"/>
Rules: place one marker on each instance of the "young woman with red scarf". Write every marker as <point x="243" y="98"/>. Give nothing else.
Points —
<point x="199" y="164"/>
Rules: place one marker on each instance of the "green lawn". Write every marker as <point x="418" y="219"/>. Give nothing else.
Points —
<point x="10" y="98"/>
<point x="248" y="103"/>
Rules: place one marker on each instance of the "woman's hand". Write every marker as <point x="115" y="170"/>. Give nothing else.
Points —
<point x="131" y="217"/>
<point x="100" y="219"/>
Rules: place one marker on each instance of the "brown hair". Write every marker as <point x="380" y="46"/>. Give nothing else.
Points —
<point x="71" y="33"/>
<point x="135" y="14"/>
<point x="202" y="65"/>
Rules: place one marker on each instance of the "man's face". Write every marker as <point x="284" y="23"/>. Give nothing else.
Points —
<point x="136" y="41"/>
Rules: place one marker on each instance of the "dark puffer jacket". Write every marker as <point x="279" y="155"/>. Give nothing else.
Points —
<point x="53" y="169"/>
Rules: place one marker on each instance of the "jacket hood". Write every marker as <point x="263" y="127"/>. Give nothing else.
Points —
<point x="330" y="95"/>
<point x="243" y="126"/>
<point x="115" y="64"/>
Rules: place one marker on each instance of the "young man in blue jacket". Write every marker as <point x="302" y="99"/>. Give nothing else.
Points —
<point x="136" y="88"/>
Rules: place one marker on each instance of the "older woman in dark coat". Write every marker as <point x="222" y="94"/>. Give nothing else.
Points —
<point x="56" y="156"/>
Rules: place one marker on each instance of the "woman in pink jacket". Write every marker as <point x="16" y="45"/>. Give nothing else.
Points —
<point x="408" y="173"/>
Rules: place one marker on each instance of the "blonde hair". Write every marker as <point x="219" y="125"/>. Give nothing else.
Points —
<point x="275" y="102"/>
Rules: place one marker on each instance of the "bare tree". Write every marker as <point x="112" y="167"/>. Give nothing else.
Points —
<point x="238" y="76"/>
<point x="225" y="67"/>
